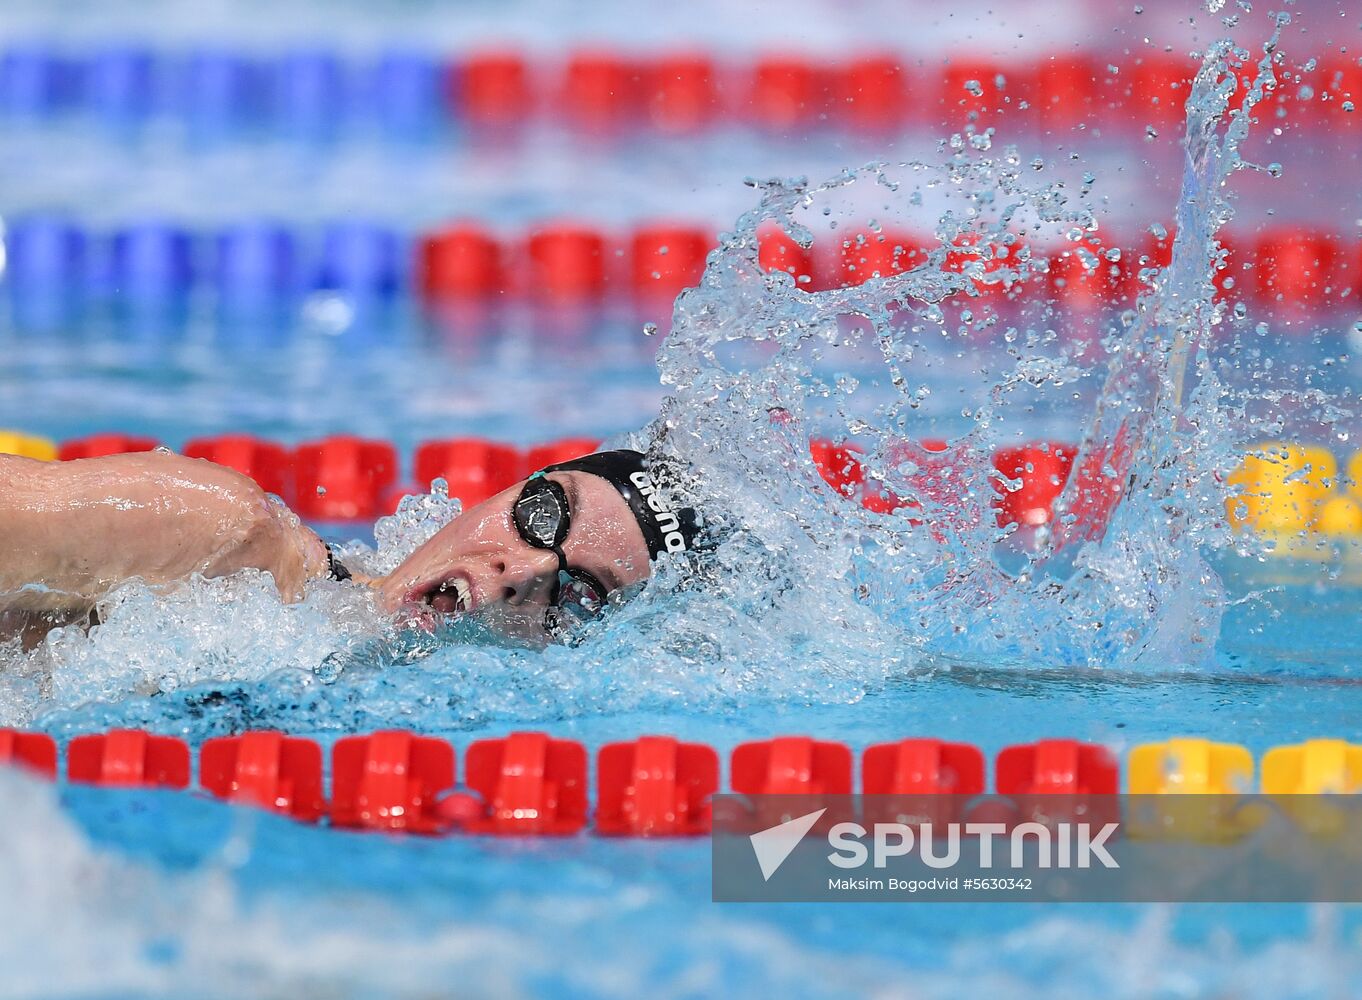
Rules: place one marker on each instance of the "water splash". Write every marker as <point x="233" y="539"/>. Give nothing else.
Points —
<point x="807" y="586"/>
<point x="1117" y="579"/>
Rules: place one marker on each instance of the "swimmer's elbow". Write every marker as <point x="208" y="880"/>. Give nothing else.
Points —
<point x="274" y="541"/>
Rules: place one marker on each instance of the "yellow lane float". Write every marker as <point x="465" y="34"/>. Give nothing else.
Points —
<point x="1316" y="767"/>
<point x="1189" y="789"/>
<point x="27" y="445"/>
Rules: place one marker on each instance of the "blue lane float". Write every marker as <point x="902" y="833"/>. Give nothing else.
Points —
<point x="120" y="84"/>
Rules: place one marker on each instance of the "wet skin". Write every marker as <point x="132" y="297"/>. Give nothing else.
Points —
<point x="72" y="531"/>
<point x="479" y="560"/>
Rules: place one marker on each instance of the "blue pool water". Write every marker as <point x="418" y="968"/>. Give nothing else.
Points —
<point x="117" y="894"/>
<point x="120" y="894"/>
<point x="162" y="894"/>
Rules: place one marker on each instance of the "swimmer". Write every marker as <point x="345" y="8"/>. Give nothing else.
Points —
<point x="559" y="545"/>
<point x="553" y="548"/>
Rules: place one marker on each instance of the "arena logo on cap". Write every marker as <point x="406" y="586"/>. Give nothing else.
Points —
<point x="667" y="520"/>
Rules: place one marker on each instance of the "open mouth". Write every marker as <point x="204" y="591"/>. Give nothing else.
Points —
<point x="450" y="596"/>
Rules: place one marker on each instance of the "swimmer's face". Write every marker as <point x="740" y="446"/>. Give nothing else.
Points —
<point x="479" y="561"/>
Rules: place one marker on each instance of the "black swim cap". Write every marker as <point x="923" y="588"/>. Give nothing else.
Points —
<point x="665" y="528"/>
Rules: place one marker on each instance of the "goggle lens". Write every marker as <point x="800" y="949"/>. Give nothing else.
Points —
<point x="540" y="514"/>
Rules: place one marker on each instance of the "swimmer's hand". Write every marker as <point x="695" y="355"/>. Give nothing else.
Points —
<point x="72" y="531"/>
<point x="364" y="580"/>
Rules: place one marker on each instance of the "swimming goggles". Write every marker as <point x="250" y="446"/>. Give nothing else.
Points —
<point x="542" y="519"/>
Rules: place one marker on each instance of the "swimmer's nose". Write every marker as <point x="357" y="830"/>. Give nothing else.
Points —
<point x="525" y="575"/>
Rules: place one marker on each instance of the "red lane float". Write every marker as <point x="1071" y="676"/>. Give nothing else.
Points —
<point x="1087" y="283"/>
<point x="128" y="757"/>
<point x="791" y="765"/>
<point x="267" y="769"/>
<point x="922" y="780"/>
<point x="1151" y="251"/>
<point x="460" y="262"/>
<point x="343" y="478"/>
<point x="866" y="255"/>
<point x="529" y="784"/>
<point x="655" y="786"/>
<point x="922" y="767"/>
<point x="932" y="471"/>
<point x="787" y="92"/>
<point x="1043" y="470"/>
<point x="987" y="261"/>
<point x="1084" y="777"/>
<point x="600" y="91"/>
<point x="872" y="92"/>
<point x="668" y="259"/>
<point x="36" y="752"/>
<point x="1298" y="271"/>
<point x="682" y="94"/>
<point x="492" y="90"/>
<point x="567" y="264"/>
<point x="777" y="251"/>
<point x="843" y="471"/>
<point x="1158" y="90"/>
<point x="1056" y="767"/>
<point x="1100" y="482"/>
<point x="390" y="780"/>
<point x="101" y="445"/>
<point x="1342" y="79"/>
<point x="838" y="465"/>
<point x="977" y="93"/>
<point x="475" y="469"/>
<point x="267" y="463"/>
<point x="1064" y="88"/>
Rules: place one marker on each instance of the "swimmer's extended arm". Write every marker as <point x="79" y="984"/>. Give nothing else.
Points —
<point x="71" y="531"/>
